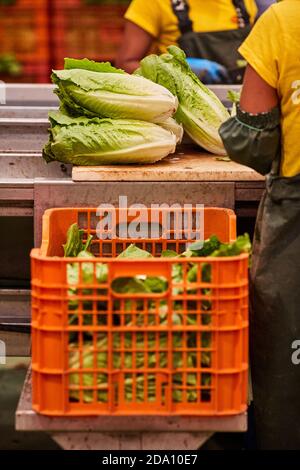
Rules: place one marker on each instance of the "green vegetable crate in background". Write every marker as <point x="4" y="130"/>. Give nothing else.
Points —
<point x="152" y="325"/>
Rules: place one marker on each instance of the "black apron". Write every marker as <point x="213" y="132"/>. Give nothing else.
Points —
<point x="219" y="46"/>
<point x="275" y="314"/>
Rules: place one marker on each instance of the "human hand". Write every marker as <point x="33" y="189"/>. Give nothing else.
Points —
<point x="208" y="71"/>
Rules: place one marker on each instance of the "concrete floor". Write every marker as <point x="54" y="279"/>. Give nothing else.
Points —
<point x="12" y="377"/>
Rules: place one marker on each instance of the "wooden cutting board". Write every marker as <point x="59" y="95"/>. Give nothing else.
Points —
<point x="186" y="165"/>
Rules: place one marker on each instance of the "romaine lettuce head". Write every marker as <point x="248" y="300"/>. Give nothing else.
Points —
<point x="111" y="93"/>
<point x="84" y="141"/>
<point x="200" y="111"/>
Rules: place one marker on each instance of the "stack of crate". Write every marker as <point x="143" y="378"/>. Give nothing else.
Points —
<point x="86" y="28"/>
<point x="24" y="32"/>
<point x="39" y="34"/>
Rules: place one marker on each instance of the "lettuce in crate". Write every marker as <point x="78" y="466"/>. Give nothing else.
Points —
<point x="90" y="357"/>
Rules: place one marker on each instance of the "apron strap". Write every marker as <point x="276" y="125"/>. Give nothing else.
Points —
<point x="242" y="13"/>
<point x="181" y="10"/>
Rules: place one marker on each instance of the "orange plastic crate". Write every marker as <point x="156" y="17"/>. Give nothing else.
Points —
<point x="99" y="352"/>
<point x="24" y="30"/>
<point x="79" y="30"/>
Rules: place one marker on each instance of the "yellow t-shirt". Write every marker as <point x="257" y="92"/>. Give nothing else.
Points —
<point x="158" y="19"/>
<point x="272" y="49"/>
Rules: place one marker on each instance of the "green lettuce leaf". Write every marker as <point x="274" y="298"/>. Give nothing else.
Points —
<point x="241" y="245"/>
<point x="74" y="246"/>
<point x="134" y="252"/>
<point x="169" y="254"/>
<point x="205" y="248"/>
<point x="91" y="65"/>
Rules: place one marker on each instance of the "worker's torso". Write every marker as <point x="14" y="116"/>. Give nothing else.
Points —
<point x="289" y="85"/>
<point x="206" y="15"/>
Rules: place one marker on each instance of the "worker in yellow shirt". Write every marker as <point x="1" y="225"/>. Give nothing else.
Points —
<point x="265" y="136"/>
<point x="209" y="32"/>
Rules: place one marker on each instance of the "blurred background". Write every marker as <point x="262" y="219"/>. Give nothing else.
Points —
<point x="36" y="35"/>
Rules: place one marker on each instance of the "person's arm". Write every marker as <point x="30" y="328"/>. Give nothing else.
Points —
<point x="136" y="44"/>
<point x="257" y="95"/>
<point x="253" y="136"/>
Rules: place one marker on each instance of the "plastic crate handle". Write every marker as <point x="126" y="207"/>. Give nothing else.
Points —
<point x="132" y="268"/>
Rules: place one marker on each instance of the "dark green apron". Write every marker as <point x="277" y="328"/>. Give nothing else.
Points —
<point x="219" y="46"/>
<point x="275" y="314"/>
<point x="275" y="280"/>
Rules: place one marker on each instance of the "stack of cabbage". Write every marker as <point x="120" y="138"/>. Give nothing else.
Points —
<point x="110" y="117"/>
